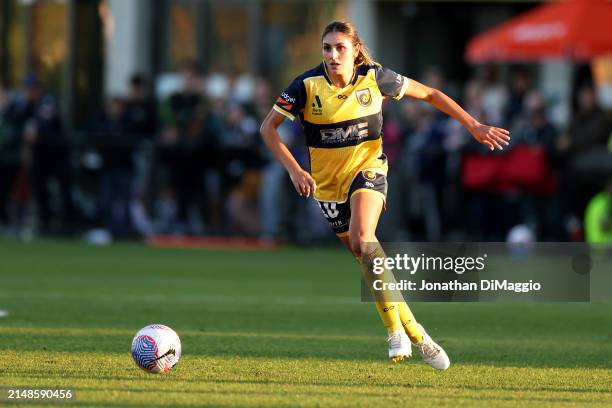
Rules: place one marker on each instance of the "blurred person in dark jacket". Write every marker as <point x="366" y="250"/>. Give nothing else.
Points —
<point x="242" y="162"/>
<point x="140" y="112"/>
<point x="116" y="148"/>
<point x="36" y="116"/>
<point x="541" y="209"/>
<point x="590" y="127"/>
<point x="141" y="127"/>
<point x="429" y="163"/>
<point x="535" y="127"/>
<point x="182" y="141"/>
<point x="11" y="155"/>
<point x="584" y="148"/>
<point x="520" y="83"/>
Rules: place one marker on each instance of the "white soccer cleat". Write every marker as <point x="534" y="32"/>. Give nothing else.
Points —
<point x="399" y="346"/>
<point x="432" y="353"/>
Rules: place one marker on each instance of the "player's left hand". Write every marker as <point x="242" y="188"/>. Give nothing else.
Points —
<point x="492" y="137"/>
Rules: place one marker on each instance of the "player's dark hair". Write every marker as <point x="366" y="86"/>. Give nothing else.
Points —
<point x="363" y="57"/>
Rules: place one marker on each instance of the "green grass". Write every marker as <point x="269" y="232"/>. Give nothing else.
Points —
<point x="281" y="328"/>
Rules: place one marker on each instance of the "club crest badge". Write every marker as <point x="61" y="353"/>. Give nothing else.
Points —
<point x="369" y="175"/>
<point x="364" y="97"/>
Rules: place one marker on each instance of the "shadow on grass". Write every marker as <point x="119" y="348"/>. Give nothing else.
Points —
<point x="495" y="352"/>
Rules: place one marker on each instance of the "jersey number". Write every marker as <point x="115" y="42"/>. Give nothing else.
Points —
<point x="329" y="210"/>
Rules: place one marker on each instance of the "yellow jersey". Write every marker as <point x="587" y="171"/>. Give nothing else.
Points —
<point x="343" y="126"/>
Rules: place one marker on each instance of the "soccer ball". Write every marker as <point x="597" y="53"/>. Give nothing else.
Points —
<point x="156" y="348"/>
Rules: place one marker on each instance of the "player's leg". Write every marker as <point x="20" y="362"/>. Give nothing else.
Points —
<point x="365" y="211"/>
<point x="363" y="225"/>
<point x="338" y="215"/>
<point x="366" y="206"/>
<point x="387" y="309"/>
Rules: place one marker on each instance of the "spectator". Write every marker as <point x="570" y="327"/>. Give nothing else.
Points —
<point x="181" y="144"/>
<point x="494" y="95"/>
<point x="584" y="148"/>
<point x="10" y="155"/>
<point x="116" y="148"/>
<point x="425" y="153"/>
<point x="589" y="127"/>
<point x="458" y="137"/>
<point x="485" y="100"/>
<point x="141" y="127"/>
<point x="540" y="209"/>
<point x="536" y="128"/>
<point x="242" y="161"/>
<point x="519" y="86"/>
<point x="35" y="116"/>
<point x="140" y="115"/>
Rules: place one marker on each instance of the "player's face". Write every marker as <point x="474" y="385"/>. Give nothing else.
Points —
<point x="338" y="52"/>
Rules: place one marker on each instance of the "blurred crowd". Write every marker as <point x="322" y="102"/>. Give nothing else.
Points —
<point x="183" y="156"/>
<point x="449" y="187"/>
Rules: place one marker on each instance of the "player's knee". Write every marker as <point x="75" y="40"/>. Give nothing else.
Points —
<point x="359" y="242"/>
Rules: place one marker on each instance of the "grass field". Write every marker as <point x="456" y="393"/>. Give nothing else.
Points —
<point x="282" y="328"/>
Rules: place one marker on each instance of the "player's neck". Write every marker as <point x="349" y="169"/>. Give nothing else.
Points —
<point x="341" y="79"/>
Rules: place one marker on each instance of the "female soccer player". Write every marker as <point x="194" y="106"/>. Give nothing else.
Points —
<point x="339" y="106"/>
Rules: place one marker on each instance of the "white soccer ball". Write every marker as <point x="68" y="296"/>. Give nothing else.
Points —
<point x="156" y="348"/>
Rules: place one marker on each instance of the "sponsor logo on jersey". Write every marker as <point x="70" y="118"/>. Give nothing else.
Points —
<point x="317" y="106"/>
<point x="287" y="98"/>
<point x="369" y="175"/>
<point x="364" y="97"/>
<point x="350" y="133"/>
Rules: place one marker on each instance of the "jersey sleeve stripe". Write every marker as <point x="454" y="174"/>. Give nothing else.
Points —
<point x="403" y="90"/>
<point x="283" y="112"/>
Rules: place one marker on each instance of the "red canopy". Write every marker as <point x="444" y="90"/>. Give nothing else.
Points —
<point x="578" y="29"/>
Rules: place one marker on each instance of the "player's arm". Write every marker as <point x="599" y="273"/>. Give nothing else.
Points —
<point x="491" y="136"/>
<point x="302" y="181"/>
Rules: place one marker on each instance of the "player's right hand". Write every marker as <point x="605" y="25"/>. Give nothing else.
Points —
<point x="303" y="182"/>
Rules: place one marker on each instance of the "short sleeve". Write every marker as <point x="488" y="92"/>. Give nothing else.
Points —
<point x="292" y="100"/>
<point x="391" y="83"/>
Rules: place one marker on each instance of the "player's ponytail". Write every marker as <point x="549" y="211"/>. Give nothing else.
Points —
<point x="363" y="57"/>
